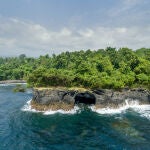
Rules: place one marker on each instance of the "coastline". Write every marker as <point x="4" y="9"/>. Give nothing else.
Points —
<point x="66" y="98"/>
<point x="55" y="98"/>
<point x="12" y="81"/>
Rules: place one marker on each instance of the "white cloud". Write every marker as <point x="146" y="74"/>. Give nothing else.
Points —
<point x="87" y="33"/>
<point x="17" y="36"/>
<point x="130" y="10"/>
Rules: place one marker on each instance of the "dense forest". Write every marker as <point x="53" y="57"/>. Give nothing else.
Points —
<point x="103" y="68"/>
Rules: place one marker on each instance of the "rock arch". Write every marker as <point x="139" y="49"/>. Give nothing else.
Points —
<point x="85" y="98"/>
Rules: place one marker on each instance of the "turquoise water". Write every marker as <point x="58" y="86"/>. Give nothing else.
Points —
<point x="85" y="129"/>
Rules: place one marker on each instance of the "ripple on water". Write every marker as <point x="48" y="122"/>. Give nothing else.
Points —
<point x="21" y="130"/>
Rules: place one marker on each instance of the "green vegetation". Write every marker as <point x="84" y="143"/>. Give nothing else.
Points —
<point x="103" y="68"/>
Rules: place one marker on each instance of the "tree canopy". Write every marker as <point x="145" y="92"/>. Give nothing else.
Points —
<point x="103" y="68"/>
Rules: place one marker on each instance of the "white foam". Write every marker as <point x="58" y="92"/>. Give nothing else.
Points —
<point x="27" y="107"/>
<point x="143" y="110"/>
<point x="72" y="111"/>
<point x="128" y="104"/>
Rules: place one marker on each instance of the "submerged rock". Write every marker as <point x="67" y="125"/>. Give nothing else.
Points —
<point x="19" y="88"/>
<point x="56" y="98"/>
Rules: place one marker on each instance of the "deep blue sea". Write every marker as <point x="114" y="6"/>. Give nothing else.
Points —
<point x="83" y="129"/>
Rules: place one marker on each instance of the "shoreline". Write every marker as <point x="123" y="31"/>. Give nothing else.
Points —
<point x="66" y="99"/>
<point x="134" y="105"/>
<point x="12" y="81"/>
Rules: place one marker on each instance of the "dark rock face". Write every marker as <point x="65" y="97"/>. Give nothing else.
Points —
<point x="85" y="98"/>
<point x="100" y="97"/>
<point x="46" y="97"/>
<point x="114" y="98"/>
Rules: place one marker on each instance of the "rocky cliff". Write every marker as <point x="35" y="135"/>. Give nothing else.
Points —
<point x="57" y="98"/>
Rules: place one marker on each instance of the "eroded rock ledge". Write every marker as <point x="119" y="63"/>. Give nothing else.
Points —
<point x="62" y="98"/>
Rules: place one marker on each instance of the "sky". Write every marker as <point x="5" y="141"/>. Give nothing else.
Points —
<point x="39" y="27"/>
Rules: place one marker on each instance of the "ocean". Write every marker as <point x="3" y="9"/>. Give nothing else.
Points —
<point x="85" y="128"/>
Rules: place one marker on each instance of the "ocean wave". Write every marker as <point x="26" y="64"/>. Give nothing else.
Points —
<point x="128" y="104"/>
<point x="142" y="110"/>
<point x="72" y="111"/>
<point x="27" y="107"/>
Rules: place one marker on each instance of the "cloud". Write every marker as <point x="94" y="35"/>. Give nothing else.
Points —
<point x="130" y="10"/>
<point x="17" y="36"/>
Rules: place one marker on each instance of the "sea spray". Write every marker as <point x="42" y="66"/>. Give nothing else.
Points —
<point x="120" y="109"/>
<point x="143" y="110"/>
<point x="27" y="107"/>
<point x="72" y="111"/>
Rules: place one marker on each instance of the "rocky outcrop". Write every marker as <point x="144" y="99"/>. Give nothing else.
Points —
<point x="46" y="96"/>
<point x="111" y="98"/>
<point x="53" y="99"/>
<point x="63" y="98"/>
